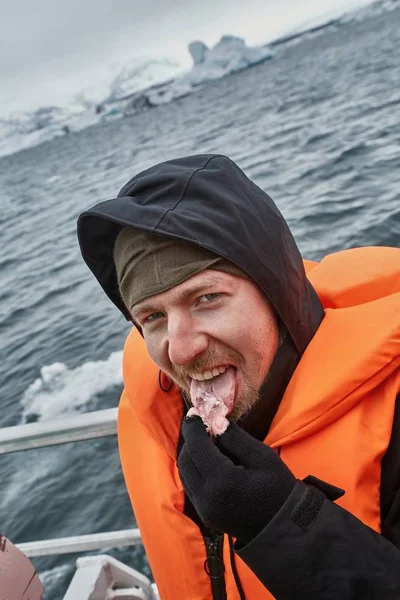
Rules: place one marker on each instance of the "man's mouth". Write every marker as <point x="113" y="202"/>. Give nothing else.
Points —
<point x="210" y="374"/>
<point x="219" y="382"/>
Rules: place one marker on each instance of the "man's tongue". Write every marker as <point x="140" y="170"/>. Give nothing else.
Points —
<point x="221" y="387"/>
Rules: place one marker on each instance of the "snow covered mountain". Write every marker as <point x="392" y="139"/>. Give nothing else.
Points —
<point x="130" y="88"/>
<point x="120" y="81"/>
<point x="137" y="76"/>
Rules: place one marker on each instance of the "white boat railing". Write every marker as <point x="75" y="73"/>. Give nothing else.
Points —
<point x="82" y="543"/>
<point x="58" y="431"/>
<point x="97" y="576"/>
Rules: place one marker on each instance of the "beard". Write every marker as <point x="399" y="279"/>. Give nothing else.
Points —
<point x="248" y="398"/>
<point x="249" y="394"/>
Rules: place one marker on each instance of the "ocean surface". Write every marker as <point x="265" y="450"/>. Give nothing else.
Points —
<point x="318" y="127"/>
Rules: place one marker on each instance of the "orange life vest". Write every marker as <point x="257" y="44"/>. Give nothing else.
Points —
<point x="334" y="421"/>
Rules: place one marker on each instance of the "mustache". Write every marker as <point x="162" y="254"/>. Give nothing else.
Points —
<point x="206" y="362"/>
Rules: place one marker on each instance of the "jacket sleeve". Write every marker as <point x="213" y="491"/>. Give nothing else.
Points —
<point x="316" y="550"/>
<point x="390" y="483"/>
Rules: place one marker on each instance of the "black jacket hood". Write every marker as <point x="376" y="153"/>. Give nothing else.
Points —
<point x="208" y="200"/>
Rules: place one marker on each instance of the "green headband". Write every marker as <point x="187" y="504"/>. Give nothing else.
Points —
<point x="148" y="264"/>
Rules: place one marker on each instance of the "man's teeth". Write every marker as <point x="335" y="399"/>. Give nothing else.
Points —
<point x="209" y="374"/>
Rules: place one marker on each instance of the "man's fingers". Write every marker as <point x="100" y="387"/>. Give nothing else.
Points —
<point x="203" y="451"/>
<point x="241" y="447"/>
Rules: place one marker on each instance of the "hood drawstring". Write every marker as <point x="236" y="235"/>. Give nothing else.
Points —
<point x="234" y="570"/>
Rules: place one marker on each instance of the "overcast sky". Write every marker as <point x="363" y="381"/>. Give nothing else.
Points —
<point x="52" y="49"/>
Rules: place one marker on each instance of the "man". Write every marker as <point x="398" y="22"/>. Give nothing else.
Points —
<point x="299" y="497"/>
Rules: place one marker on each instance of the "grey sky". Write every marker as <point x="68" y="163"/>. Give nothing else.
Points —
<point x="51" y="48"/>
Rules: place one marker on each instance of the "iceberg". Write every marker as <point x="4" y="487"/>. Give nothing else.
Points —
<point x="26" y="123"/>
<point x="198" y="51"/>
<point x="229" y="55"/>
<point x="25" y="130"/>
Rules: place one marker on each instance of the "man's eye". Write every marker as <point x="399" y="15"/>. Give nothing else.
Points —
<point x="153" y="317"/>
<point x="206" y="298"/>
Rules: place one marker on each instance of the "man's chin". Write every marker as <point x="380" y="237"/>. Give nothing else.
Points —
<point x="244" y="404"/>
<point x="240" y="411"/>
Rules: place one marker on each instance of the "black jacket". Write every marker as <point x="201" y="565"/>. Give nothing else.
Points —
<point x="208" y="200"/>
<point x="332" y="555"/>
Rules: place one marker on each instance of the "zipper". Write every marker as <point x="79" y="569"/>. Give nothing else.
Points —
<point x="214" y="564"/>
<point x="234" y="570"/>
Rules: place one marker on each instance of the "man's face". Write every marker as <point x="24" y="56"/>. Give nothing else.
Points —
<point x="212" y="320"/>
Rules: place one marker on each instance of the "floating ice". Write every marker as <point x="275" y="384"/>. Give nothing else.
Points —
<point x="59" y="390"/>
<point x="228" y="56"/>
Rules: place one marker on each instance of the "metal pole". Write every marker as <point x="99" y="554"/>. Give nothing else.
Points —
<point x="58" y="431"/>
<point x="82" y="543"/>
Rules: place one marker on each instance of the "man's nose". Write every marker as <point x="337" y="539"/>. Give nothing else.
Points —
<point x="185" y="341"/>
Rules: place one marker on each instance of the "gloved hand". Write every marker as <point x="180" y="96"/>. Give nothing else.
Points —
<point x="236" y="484"/>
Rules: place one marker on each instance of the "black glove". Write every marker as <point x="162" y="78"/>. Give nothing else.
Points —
<point x="236" y="484"/>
